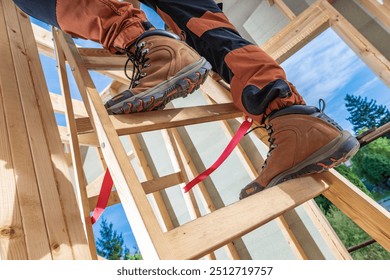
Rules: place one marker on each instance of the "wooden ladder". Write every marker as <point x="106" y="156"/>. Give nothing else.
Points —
<point x="204" y="234"/>
<point x="158" y="235"/>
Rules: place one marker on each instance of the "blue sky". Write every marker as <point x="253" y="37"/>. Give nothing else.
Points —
<point x="325" y="68"/>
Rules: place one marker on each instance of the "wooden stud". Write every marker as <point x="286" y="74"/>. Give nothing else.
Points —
<point x="12" y="240"/>
<point x="380" y="12"/>
<point x="59" y="106"/>
<point x="297" y="33"/>
<point x="285" y="9"/>
<point x="358" y="43"/>
<point x="37" y="244"/>
<point x="44" y="40"/>
<point x="78" y="171"/>
<point x="326" y="231"/>
<point x="366" y="213"/>
<point x="162" y="207"/>
<point x="137" y="208"/>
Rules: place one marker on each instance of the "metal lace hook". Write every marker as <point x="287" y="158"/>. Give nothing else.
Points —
<point x="321" y="105"/>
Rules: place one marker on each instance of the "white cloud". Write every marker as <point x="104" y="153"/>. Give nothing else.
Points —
<point x="322" y="67"/>
<point x="367" y="86"/>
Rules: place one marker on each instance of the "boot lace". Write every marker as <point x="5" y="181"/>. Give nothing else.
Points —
<point x="324" y="117"/>
<point x="271" y="140"/>
<point x="139" y="60"/>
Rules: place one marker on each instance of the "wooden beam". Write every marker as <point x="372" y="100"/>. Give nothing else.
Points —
<point x="297" y="33"/>
<point x="78" y="171"/>
<point x="374" y="134"/>
<point x="285" y="9"/>
<point x="358" y="43"/>
<point x="101" y="59"/>
<point x="89" y="139"/>
<point x="365" y="212"/>
<point x="379" y="11"/>
<point x="12" y="241"/>
<point x="137" y="208"/>
<point x="59" y="105"/>
<point x="169" y="118"/>
<point x="44" y="40"/>
<point x="63" y="182"/>
<point x="331" y="239"/>
<point x="199" y="237"/>
<point x="42" y="175"/>
<point x="163" y="208"/>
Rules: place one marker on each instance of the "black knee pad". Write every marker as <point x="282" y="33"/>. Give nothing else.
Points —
<point x="256" y="100"/>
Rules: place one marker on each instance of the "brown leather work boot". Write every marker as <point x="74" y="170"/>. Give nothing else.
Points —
<point x="164" y="68"/>
<point x="303" y="140"/>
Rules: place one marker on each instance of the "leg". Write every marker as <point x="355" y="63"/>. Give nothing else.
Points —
<point x="303" y="140"/>
<point x="110" y="23"/>
<point x="255" y="78"/>
<point x="164" y="68"/>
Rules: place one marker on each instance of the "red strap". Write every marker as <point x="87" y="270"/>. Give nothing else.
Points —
<point x="104" y="195"/>
<point x="228" y="150"/>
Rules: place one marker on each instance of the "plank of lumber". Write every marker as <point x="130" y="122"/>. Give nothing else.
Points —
<point x="197" y="238"/>
<point x="285" y="9"/>
<point x="101" y="59"/>
<point x="59" y="105"/>
<point x="150" y="186"/>
<point x="12" y="243"/>
<point x="37" y="244"/>
<point x="137" y="208"/>
<point x="44" y="41"/>
<point x="378" y="63"/>
<point x="78" y="171"/>
<point x="53" y="212"/>
<point x="297" y="33"/>
<point x="169" y="118"/>
<point x="379" y="11"/>
<point x="374" y="134"/>
<point x="365" y="212"/>
<point x="163" y="208"/>
<point x="325" y="229"/>
<point x="63" y="182"/>
<point x="89" y="139"/>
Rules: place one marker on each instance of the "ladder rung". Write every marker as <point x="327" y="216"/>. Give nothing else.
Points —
<point x="101" y="59"/>
<point x="169" y="118"/>
<point x="148" y="186"/>
<point x="208" y="233"/>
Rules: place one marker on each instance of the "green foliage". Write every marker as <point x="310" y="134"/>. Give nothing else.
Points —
<point x="349" y="174"/>
<point x="136" y="256"/>
<point x="110" y="245"/>
<point x="372" y="162"/>
<point x="325" y="204"/>
<point x="365" y="114"/>
<point x="350" y="235"/>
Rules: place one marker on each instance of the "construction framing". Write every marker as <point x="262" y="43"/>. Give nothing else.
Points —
<point x="46" y="216"/>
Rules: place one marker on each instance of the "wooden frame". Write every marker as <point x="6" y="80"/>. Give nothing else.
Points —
<point x="157" y="240"/>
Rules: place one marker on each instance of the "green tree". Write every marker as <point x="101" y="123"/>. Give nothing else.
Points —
<point x="136" y="256"/>
<point x="365" y="114"/>
<point x="347" y="172"/>
<point x="372" y="162"/>
<point x="350" y="235"/>
<point x="110" y="244"/>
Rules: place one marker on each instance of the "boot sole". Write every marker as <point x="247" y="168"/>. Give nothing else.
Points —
<point x="331" y="155"/>
<point x="183" y="83"/>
